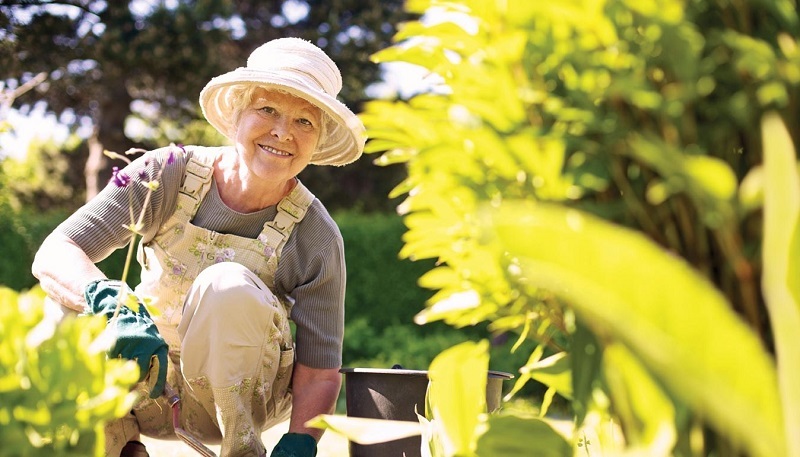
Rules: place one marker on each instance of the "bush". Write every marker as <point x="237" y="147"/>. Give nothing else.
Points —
<point x="617" y="181"/>
<point x="21" y="234"/>
<point x="381" y="287"/>
<point x="56" y="390"/>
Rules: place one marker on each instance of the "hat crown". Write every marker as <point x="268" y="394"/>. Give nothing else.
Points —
<point x="299" y="56"/>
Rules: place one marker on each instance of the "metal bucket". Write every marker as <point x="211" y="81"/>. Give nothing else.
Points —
<point x="398" y="394"/>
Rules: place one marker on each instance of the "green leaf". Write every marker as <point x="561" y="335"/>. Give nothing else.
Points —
<point x="585" y="363"/>
<point x="517" y="436"/>
<point x="554" y="371"/>
<point x="713" y="175"/>
<point x="457" y="393"/>
<point x="681" y="328"/>
<point x="751" y="190"/>
<point x="781" y="254"/>
<point x="366" y="431"/>
<point x="645" y="411"/>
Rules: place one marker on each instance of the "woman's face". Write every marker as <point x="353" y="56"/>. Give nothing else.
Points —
<point x="277" y="134"/>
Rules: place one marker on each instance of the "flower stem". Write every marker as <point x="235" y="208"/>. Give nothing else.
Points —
<point x="128" y="258"/>
<point x="124" y="277"/>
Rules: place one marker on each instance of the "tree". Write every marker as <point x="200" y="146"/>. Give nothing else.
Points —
<point x="101" y="57"/>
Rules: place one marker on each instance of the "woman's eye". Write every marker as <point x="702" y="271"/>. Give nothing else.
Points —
<point x="305" y="121"/>
<point x="268" y="109"/>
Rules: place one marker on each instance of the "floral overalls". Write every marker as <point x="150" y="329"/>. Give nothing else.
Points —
<point x="180" y="250"/>
<point x="231" y="356"/>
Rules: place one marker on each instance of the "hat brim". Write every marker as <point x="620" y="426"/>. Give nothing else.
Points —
<point x="345" y="136"/>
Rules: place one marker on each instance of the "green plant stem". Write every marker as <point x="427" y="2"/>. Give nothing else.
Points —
<point x="629" y="196"/>
<point x="125" y="271"/>
<point x="586" y="444"/>
<point x="731" y="245"/>
<point x="128" y="258"/>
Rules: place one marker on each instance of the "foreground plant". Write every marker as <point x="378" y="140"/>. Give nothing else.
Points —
<point x="57" y="387"/>
<point x="589" y="175"/>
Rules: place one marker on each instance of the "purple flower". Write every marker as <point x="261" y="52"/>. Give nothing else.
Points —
<point x="171" y="158"/>
<point x="119" y="178"/>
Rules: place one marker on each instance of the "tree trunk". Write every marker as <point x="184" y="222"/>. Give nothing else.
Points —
<point x="93" y="165"/>
<point x="108" y="134"/>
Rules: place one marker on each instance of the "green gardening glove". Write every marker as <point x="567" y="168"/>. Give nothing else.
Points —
<point x="137" y="336"/>
<point x="295" y="445"/>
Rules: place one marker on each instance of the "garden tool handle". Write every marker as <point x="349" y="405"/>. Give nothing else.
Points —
<point x="174" y="401"/>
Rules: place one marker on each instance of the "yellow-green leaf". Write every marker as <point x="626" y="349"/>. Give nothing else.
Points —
<point x="781" y="256"/>
<point x="647" y="414"/>
<point x="457" y="393"/>
<point x="366" y="431"/>
<point x="517" y="436"/>
<point x="671" y="317"/>
<point x="553" y="371"/>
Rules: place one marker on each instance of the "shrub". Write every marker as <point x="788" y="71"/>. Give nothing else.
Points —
<point x="381" y="287"/>
<point x="21" y="233"/>
<point x="589" y="175"/>
<point x="57" y="389"/>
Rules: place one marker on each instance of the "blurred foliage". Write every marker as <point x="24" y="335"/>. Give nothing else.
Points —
<point x="379" y="284"/>
<point x="588" y="176"/>
<point x="49" y="177"/>
<point x="56" y="389"/>
<point x="137" y="68"/>
<point x="21" y="234"/>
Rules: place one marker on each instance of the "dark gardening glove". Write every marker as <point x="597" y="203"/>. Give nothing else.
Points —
<point x="137" y="337"/>
<point x="295" y="445"/>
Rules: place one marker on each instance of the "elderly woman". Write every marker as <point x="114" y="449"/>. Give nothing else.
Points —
<point x="233" y="247"/>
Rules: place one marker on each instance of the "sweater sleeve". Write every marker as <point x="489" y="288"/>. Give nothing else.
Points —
<point x="312" y="273"/>
<point x="101" y="226"/>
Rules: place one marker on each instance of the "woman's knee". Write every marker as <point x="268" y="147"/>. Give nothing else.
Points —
<point x="231" y="288"/>
<point x="230" y="306"/>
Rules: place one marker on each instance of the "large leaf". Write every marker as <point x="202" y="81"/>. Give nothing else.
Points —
<point x="682" y="329"/>
<point x="585" y="361"/>
<point x="366" y="431"/>
<point x="517" y="436"/>
<point x="781" y="259"/>
<point x="457" y="393"/>
<point x="646" y="413"/>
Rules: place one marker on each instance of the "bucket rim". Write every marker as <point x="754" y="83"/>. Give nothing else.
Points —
<point x="403" y="371"/>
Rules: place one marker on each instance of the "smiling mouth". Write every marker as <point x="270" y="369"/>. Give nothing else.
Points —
<point x="274" y="151"/>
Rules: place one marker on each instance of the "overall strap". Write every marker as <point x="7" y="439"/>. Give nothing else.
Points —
<point x="291" y="210"/>
<point x="196" y="182"/>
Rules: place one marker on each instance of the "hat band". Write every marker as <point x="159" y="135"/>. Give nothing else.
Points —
<point x="302" y="73"/>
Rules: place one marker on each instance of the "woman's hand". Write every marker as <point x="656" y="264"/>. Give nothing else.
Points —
<point x="295" y="445"/>
<point x="136" y="335"/>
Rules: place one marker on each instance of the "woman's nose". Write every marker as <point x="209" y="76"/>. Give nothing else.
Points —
<point x="281" y="131"/>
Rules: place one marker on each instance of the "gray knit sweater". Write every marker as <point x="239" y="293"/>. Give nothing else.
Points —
<point x="311" y="272"/>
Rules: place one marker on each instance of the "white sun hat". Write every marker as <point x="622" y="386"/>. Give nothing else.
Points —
<point x="301" y="69"/>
